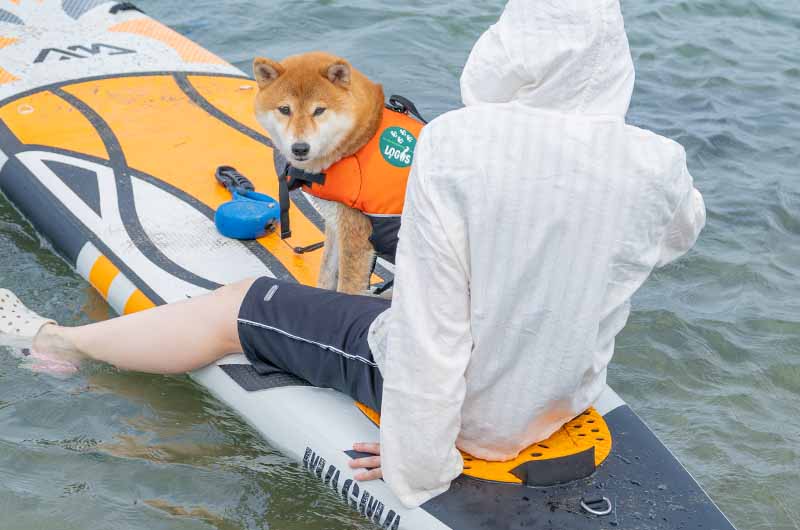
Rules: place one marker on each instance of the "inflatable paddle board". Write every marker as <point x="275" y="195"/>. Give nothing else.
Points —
<point x="111" y="128"/>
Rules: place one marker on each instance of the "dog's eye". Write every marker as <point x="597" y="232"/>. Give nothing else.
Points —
<point x="285" y="110"/>
<point x="319" y="111"/>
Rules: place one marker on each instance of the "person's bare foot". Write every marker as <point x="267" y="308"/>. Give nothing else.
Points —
<point x="48" y="364"/>
<point x="53" y="341"/>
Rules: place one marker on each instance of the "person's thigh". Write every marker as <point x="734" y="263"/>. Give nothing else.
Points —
<point x="320" y="336"/>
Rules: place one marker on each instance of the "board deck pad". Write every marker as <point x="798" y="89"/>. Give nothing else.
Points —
<point x="111" y="128"/>
<point x="587" y="433"/>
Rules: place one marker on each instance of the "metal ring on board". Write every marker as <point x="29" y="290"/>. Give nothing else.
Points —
<point x="585" y="504"/>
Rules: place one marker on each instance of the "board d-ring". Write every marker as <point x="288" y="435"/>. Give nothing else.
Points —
<point x="599" y="506"/>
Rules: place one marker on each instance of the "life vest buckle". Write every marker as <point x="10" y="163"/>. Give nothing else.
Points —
<point x="404" y="106"/>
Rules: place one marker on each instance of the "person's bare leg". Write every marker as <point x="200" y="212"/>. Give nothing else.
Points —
<point x="170" y="339"/>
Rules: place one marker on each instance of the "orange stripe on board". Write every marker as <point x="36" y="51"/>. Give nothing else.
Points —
<point x="6" y="77"/>
<point x="188" y="50"/>
<point x="137" y="302"/>
<point x="102" y="274"/>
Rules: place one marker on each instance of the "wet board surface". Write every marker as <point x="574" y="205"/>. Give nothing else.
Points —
<point x="111" y="126"/>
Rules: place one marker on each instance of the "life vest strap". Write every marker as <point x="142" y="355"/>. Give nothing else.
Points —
<point x="285" y="203"/>
<point x="291" y="178"/>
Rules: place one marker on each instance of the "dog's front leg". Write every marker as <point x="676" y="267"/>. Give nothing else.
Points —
<point x="329" y="271"/>
<point x="355" y="251"/>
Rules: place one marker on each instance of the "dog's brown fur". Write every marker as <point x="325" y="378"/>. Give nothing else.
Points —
<point x="353" y="105"/>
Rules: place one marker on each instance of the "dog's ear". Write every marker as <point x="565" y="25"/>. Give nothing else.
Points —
<point x="266" y="71"/>
<point x="338" y="73"/>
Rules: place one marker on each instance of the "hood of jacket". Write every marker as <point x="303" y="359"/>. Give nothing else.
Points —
<point x="568" y="56"/>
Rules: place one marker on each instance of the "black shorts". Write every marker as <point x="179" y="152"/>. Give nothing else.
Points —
<point x="317" y="335"/>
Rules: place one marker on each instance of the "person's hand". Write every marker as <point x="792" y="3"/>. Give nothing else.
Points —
<point x="371" y="463"/>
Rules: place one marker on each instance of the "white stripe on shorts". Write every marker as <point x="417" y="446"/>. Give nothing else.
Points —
<point x="323" y="346"/>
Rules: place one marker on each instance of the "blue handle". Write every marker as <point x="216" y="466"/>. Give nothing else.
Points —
<point x="249" y="215"/>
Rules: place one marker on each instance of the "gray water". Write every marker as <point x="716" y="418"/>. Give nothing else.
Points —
<point x="710" y="357"/>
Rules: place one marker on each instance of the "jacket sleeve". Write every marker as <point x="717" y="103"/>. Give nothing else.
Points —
<point x="687" y="221"/>
<point x="428" y="347"/>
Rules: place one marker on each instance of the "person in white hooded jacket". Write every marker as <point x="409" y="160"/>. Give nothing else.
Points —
<point x="532" y="216"/>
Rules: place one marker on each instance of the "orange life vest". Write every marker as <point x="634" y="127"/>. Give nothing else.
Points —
<point x="373" y="180"/>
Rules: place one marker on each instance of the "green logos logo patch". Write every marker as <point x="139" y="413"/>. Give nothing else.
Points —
<point x="397" y="146"/>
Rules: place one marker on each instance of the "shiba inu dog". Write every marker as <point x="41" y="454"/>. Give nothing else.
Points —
<point x="328" y="119"/>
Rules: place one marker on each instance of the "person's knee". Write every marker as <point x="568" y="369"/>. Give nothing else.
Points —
<point x="235" y="291"/>
<point x="229" y="299"/>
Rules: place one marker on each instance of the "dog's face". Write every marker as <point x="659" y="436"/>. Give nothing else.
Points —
<point x="306" y="105"/>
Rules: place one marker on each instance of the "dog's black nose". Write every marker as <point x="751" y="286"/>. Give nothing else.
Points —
<point x="301" y="149"/>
